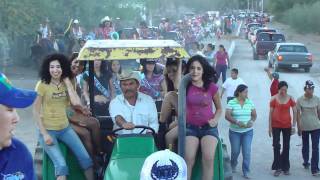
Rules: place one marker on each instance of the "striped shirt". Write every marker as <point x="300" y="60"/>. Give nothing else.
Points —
<point x="242" y="114"/>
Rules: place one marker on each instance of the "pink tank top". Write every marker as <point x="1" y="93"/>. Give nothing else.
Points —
<point x="199" y="104"/>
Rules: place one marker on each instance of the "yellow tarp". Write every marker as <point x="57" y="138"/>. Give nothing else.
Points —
<point x="131" y="49"/>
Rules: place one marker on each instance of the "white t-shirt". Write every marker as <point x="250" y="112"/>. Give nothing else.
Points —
<point x="230" y="85"/>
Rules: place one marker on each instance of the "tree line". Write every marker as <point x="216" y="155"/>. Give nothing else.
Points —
<point x="302" y="15"/>
<point x="22" y="17"/>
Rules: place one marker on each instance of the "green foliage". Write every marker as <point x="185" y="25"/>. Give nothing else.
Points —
<point x="299" y="14"/>
<point x="22" y="17"/>
<point x="278" y="7"/>
<point x="207" y="5"/>
<point x="16" y="15"/>
<point x="303" y="17"/>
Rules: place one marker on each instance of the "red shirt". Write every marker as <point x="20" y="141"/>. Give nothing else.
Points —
<point x="274" y="87"/>
<point x="281" y="117"/>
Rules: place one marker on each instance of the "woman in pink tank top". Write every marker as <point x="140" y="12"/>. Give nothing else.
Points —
<point x="202" y="121"/>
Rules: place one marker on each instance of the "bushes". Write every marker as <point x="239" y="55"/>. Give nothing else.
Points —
<point x="303" y="17"/>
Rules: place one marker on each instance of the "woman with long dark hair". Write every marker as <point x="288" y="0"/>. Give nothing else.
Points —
<point x="115" y="68"/>
<point x="202" y="121"/>
<point x="152" y="83"/>
<point x="172" y="74"/>
<point x="102" y="88"/>
<point x="55" y="93"/>
<point x="86" y="126"/>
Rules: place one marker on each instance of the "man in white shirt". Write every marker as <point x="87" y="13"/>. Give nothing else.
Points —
<point x="133" y="108"/>
<point x="45" y="30"/>
<point x="231" y="84"/>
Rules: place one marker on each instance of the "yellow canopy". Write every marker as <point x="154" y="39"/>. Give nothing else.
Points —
<point x="131" y="49"/>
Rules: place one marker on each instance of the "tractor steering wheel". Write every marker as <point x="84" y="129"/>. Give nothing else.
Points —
<point x="137" y="127"/>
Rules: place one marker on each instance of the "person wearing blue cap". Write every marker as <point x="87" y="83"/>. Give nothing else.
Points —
<point x="15" y="159"/>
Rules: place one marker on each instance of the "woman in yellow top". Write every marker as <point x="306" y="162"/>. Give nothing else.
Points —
<point x="55" y="93"/>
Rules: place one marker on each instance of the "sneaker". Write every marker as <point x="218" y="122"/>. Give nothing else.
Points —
<point x="286" y="172"/>
<point x="277" y="173"/>
<point x="306" y="165"/>
<point x="316" y="173"/>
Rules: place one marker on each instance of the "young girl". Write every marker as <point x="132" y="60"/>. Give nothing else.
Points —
<point x="102" y="88"/>
<point x="55" y="93"/>
<point x="152" y="83"/>
<point x="115" y="68"/>
<point x="202" y="121"/>
<point x="172" y="76"/>
<point x="86" y="126"/>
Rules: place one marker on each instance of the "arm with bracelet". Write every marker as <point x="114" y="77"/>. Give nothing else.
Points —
<point x="232" y="120"/>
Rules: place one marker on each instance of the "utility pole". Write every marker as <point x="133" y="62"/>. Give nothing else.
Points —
<point x="248" y="4"/>
<point x="262" y="6"/>
<point x="252" y="7"/>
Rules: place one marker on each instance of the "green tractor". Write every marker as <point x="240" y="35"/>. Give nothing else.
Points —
<point x="130" y="151"/>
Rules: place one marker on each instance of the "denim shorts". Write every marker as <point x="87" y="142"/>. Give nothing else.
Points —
<point x="201" y="131"/>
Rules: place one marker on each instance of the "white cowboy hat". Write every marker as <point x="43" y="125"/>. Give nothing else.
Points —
<point x="76" y="21"/>
<point x="106" y="18"/>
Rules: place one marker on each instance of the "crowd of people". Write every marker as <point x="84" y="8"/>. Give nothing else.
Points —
<point x="130" y="98"/>
<point x="62" y="115"/>
<point x="187" y="31"/>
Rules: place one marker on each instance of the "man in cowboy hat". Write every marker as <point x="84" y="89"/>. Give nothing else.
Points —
<point x="15" y="159"/>
<point x="133" y="108"/>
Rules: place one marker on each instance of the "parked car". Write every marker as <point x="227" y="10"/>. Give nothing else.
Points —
<point x="266" y="42"/>
<point x="291" y="56"/>
<point x="258" y="31"/>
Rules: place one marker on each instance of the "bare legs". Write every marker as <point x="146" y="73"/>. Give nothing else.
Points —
<point x="208" y="147"/>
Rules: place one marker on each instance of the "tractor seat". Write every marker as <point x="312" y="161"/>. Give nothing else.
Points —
<point x="133" y="145"/>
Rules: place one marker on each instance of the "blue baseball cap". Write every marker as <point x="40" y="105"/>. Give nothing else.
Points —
<point x="14" y="97"/>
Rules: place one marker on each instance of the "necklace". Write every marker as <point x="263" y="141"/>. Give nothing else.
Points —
<point x="56" y="84"/>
